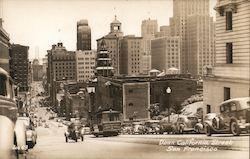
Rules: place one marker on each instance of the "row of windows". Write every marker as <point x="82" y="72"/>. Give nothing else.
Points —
<point x="86" y="58"/>
<point x="91" y="71"/>
<point x="87" y="67"/>
<point x="68" y="63"/>
<point x="86" y="63"/>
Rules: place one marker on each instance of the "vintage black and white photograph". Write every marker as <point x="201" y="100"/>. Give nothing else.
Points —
<point x="124" y="79"/>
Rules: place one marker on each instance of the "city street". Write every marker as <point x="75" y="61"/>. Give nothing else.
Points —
<point x="51" y="144"/>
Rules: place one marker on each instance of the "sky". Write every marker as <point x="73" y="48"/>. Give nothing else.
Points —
<point x="41" y="23"/>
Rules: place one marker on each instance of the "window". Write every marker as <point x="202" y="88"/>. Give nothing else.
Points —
<point x="229" y="53"/>
<point x="130" y="104"/>
<point x="229" y="20"/>
<point x="226" y="93"/>
<point x="3" y="88"/>
<point x="208" y="108"/>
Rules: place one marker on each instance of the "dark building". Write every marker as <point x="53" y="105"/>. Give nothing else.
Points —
<point x="20" y="66"/>
<point x="83" y="35"/>
<point x="37" y="70"/>
<point x="103" y="62"/>
<point x="4" y="48"/>
<point x="134" y="95"/>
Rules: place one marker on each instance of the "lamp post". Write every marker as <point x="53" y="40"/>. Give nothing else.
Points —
<point x="168" y="91"/>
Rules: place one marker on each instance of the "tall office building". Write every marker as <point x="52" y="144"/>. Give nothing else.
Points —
<point x="85" y="65"/>
<point x="183" y="12"/>
<point x="131" y="55"/>
<point x="165" y="53"/>
<point x="4" y="48"/>
<point x="230" y="76"/>
<point x="149" y="29"/>
<point x="20" y="66"/>
<point x="200" y="43"/>
<point x="61" y="64"/>
<point x="112" y="41"/>
<point x="83" y="35"/>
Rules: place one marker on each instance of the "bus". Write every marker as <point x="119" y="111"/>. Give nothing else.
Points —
<point x="8" y="116"/>
<point x="107" y="123"/>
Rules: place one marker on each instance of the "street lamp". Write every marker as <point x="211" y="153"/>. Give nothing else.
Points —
<point x="168" y="91"/>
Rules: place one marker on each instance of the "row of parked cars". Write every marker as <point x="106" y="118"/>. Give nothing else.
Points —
<point x="180" y="125"/>
<point x="234" y="117"/>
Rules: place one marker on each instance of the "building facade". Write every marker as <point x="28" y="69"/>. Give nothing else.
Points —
<point x="164" y="31"/>
<point x="200" y="43"/>
<point x="85" y="65"/>
<point x="20" y="66"/>
<point x="149" y="28"/>
<point x="131" y="55"/>
<point x="229" y="78"/>
<point x="83" y="35"/>
<point x="183" y="12"/>
<point x="165" y="53"/>
<point x="4" y="48"/>
<point x="37" y="70"/>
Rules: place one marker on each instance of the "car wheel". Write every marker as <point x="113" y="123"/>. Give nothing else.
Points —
<point x="208" y="130"/>
<point x="235" y="130"/>
<point x="66" y="139"/>
<point x="181" y="129"/>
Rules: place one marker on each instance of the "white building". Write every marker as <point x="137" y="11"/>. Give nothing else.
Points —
<point x="85" y="64"/>
<point x="230" y="77"/>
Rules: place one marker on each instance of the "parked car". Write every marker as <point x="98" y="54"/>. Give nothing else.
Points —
<point x="73" y="133"/>
<point x="139" y="128"/>
<point x="152" y="126"/>
<point x="188" y="124"/>
<point x="234" y="117"/>
<point x="86" y="130"/>
<point x="46" y="125"/>
<point x="31" y="134"/>
<point x="20" y="131"/>
<point x="168" y="126"/>
<point x="60" y="124"/>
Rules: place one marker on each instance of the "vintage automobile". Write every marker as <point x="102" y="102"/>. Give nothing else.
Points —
<point x="139" y="128"/>
<point x="168" y="126"/>
<point x="8" y="116"/>
<point x="188" y="124"/>
<point x="152" y="126"/>
<point x="31" y="135"/>
<point x="107" y="123"/>
<point x="73" y="132"/>
<point x="234" y="117"/>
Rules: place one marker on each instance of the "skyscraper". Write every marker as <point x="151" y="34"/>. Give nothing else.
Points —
<point x="83" y="35"/>
<point x="149" y="29"/>
<point x="195" y="12"/>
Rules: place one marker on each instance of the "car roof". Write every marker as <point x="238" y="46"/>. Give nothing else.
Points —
<point x="242" y="100"/>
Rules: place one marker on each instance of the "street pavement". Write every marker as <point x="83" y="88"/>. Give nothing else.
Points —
<point x="51" y="145"/>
